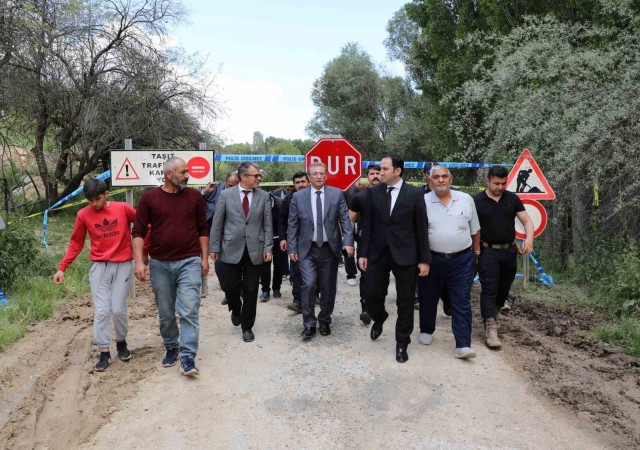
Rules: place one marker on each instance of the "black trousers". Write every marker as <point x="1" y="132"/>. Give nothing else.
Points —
<point x="350" y="266"/>
<point x="219" y="268"/>
<point x="377" y="283"/>
<point x="277" y="261"/>
<point x="296" y="282"/>
<point x="243" y="278"/>
<point x="497" y="270"/>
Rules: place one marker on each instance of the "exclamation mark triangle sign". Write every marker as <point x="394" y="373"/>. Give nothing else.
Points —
<point x="127" y="172"/>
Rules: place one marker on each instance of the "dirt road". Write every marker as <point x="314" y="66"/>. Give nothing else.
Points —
<point x="340" y="391"/>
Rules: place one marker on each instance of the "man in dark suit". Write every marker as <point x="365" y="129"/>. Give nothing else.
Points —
<point x="242" y="238"/>
<point x="319" y="229"/>
<point x="300" y="181"/>
<point x="394" y="239"/>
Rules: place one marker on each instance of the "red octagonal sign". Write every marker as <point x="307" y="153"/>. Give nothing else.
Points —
<point x="343" y="161"/>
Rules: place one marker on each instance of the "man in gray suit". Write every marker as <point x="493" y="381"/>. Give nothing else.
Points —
<point x="242" y="238"/>
<point x="319" y="229"/>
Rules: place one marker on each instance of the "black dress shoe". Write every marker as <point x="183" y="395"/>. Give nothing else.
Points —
<point x="401" y="353"/>
<point x="265" y="296"/>
<point x="308" y="332"/>
<point x="277" y="294"/>
<point x="376" y="330"/>
<point x="325" y="329"/>
<point x="247" y="336"/>
<point x="235" y="318"/>
<point x="295" y="307"/>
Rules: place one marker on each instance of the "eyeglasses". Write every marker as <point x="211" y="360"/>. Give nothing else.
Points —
<point x="257" y="175"/>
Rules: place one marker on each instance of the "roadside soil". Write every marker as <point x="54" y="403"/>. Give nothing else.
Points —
<point x="551" y="386"/>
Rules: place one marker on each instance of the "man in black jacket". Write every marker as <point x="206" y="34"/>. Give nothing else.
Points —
<point x="300" y="181"/>
<point x="394" y="239"/>
<point x="278" y="256"/>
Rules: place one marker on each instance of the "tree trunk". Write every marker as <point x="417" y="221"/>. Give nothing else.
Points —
<point x="38" y="153"/>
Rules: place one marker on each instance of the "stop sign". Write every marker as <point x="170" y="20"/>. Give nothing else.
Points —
<point x="342" y="159"/>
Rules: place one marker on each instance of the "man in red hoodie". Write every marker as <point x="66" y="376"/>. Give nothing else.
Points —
<point x="108" y="224"/>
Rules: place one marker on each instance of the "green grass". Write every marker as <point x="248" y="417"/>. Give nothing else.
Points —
<point x="34" y="297"/>
<point x="625" y="334"/>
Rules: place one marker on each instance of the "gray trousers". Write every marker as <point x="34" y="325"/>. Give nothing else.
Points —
<point x="319" y="267"/>
<point x="110" y="282"/>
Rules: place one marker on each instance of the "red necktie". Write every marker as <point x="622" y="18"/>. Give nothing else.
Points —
<point x="245" y="203"/>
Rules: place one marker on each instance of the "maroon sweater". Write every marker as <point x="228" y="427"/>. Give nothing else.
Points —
<point x="177" y="222"/>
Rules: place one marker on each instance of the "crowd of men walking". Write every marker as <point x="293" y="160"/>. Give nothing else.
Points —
<point x="432" y="239"/>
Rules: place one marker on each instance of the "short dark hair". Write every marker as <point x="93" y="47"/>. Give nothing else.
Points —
<point x="243" y="168"/>
<point x="396" y="161"/>
<point x="94" y="188"/>
<point x="498" y="172"/>
<point x="300" y="175"/>
<point x="427" y="167"/>
<point x="371" y="167"/>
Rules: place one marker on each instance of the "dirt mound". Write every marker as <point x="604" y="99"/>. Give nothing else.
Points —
<point x="50" y="394"/>
<point x="551" y="345"/>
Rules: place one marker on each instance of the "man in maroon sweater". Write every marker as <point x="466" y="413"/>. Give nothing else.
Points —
<point x="179" y="250"/>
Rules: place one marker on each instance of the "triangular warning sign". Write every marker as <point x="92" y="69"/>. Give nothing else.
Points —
<point x="127" y="172"/>
<point x="527" y="181"/>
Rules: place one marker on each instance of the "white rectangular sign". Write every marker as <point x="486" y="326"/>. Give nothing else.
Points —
<point x="132" y="168"/>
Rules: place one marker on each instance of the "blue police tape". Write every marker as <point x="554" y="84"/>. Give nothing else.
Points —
<point x="545" y="278"/>
<point x="3" y="299"/>
<point x="45" y="220"/>
<point x="300" y="159"/>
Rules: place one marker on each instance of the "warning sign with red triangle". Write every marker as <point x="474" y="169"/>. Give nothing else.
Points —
<point x="127" y="172"/>
<point x="527" y="181"/>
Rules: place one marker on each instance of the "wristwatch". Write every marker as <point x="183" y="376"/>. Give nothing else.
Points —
<point x="477" y="253"/>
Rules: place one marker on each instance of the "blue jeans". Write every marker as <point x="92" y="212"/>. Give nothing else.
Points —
<point x="455" y="275"/>
<point x="176" y="285"/>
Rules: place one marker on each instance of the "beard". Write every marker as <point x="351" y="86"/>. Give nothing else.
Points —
<point x="179" y="184"/>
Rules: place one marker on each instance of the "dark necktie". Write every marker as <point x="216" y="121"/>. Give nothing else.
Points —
<point x="388" y="205"/>
<point x="245" y="203"/>
<point x="319" y="234"/>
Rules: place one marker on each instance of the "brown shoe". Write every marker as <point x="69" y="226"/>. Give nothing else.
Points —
<point x="491" y="334"/>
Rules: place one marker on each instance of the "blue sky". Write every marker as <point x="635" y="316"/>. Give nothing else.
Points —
<point x="269" y="53"/>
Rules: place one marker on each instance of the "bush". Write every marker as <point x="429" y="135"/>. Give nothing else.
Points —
<point x="18" y="250"/>
<point x="610" y="267"/>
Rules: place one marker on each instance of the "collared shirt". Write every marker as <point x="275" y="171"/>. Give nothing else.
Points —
<point x="394" y="193"/>
<point x="497" y="218"/>
<point x="451" y="226"/>
<point x="315" y="213"/>
<point x="241" y="190"/>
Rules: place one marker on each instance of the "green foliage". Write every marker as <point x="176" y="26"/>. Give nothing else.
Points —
<point x="18" y="249"/>
<point x="33" y="296"/>
<point x="625" y="334"/>
<point x="610" y="267"/>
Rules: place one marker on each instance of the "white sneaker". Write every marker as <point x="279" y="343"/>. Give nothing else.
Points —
<point x="506" y="308"/>
<point x="425" y="338"/>
<point x="351" y="281"/>
<point x="464" y="353"/>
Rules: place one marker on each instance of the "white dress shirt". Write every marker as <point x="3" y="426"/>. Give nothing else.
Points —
<point x="241" y="189"/>
<point x="315" y="213"/>
<point x="394" y="193"/>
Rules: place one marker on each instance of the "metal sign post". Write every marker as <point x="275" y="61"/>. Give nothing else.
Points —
<point x="205" y="283"/>
<point x="128" y="145"/>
